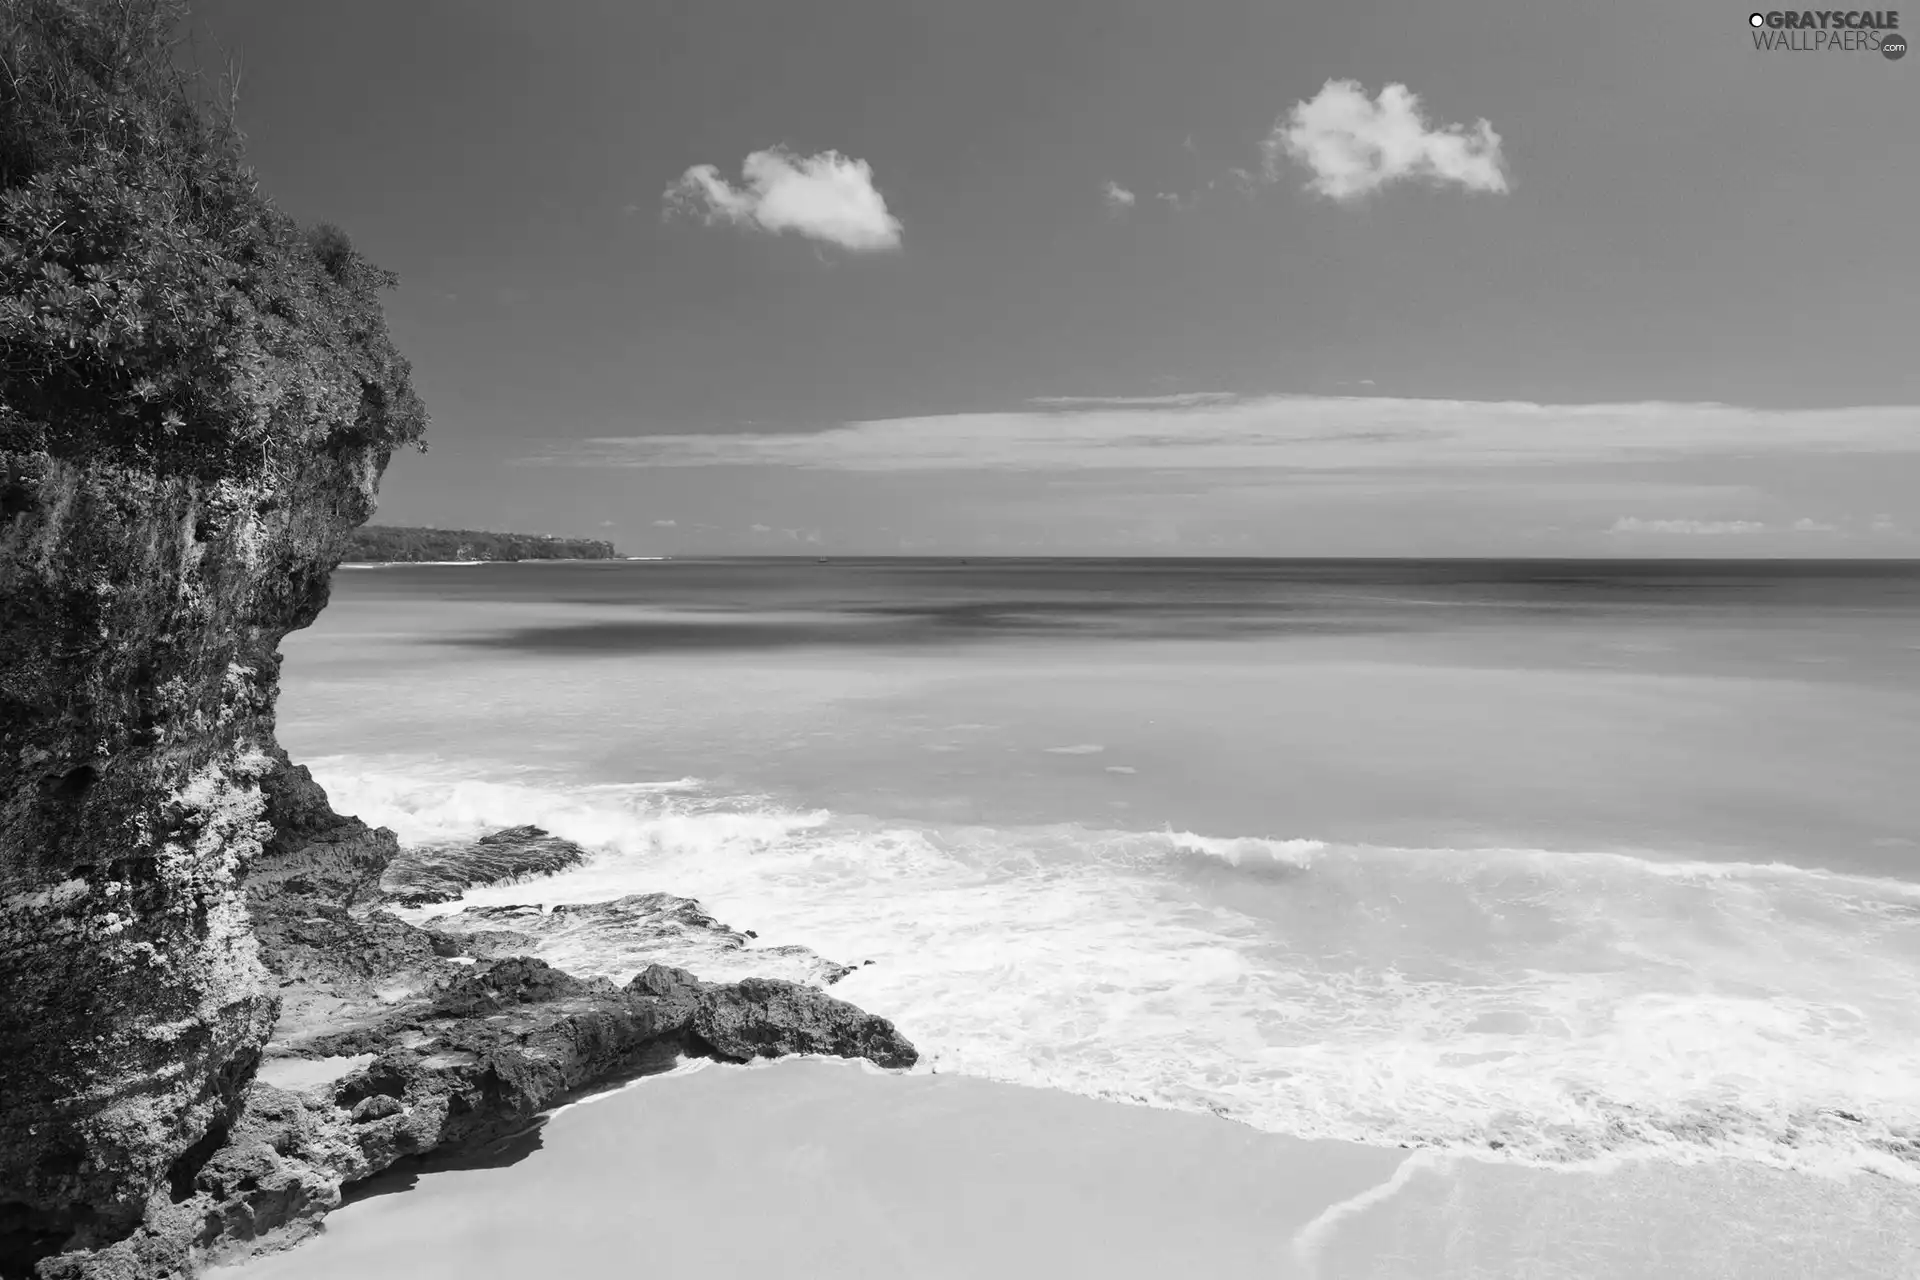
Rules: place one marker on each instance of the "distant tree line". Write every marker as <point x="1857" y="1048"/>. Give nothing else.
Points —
<point x="392" y="543"/>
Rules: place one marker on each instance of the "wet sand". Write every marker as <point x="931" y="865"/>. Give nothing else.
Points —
<point x="819" y="1168"/>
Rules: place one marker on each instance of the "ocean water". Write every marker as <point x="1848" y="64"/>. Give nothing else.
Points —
<point x="1540" y="863"/>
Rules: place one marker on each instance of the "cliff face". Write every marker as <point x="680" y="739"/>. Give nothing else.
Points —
<point x="398" y="1042"/>
<point x="197" y="398"/>
<point x="139" y="621"/>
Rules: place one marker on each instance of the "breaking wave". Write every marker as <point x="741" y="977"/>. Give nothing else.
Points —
<point x="1543" y="1006"/>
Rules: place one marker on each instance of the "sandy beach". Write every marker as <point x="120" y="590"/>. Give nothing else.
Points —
<point x="821" y="1168"/>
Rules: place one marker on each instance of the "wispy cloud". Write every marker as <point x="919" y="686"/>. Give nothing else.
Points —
<point x="1807" y="524"/>
<point x="1174" y="400"/>
<point x="1118" y="198"/>
<point x="666" y="524"/>
<point x="1294" y="433"/>
<point x="1690" y="528"/>
<point x="1355" y="145"/>
<point x="827" y="197"/>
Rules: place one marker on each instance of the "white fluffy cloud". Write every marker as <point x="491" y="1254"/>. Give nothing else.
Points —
<point x="1355" y="145"/>
<point x="666" y="524"/>
<point x="1118" y="198"/>
<point x="1289" y="433"/>
<point x="1698" y="528"/>
<point x="827" y="197"/>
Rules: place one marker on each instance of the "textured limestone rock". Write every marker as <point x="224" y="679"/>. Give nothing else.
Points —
<point x="442" y="873"/>
<point x="619" y="938"/>
<point x="449" y="1052"/>
<point x="138" y="668"/>
<point x="197" y="397"/>
<point x="767" y="1018"/>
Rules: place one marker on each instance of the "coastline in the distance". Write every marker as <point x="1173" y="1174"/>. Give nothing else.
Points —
<point x="399" y="544"/>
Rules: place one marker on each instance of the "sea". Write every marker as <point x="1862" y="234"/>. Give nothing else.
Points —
<point x="1545" y="863"/>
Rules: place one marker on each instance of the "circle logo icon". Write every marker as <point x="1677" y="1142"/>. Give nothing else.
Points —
<point x="1756" y="19"/>
<point x="1894" y="46"/>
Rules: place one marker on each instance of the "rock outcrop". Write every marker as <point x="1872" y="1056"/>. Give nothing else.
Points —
<point x="395" y="1041"/>
<point x="197" y="399"/>
<point x="619" y="938"/>
<point x="442" y="873"/>
<point x="138" y="668"/>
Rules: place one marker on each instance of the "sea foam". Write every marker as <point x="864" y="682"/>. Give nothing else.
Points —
<point x="1549" y="1007"/>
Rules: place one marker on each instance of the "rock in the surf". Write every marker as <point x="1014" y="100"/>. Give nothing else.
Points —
<point x="441" y="873"/>
<point x="619" y="938"/>
<point x="766" y="1018"/>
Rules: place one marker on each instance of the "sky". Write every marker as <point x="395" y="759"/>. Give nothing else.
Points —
<point x="1191" y="277"/>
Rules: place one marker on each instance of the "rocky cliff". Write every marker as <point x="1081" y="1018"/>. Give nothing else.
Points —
<point x="197" y="399"/>
<point x="395" y="1042"/>
<point x="138" y="667"/>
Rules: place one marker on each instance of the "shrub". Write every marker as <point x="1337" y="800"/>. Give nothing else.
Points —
<point x="156" y="311"/>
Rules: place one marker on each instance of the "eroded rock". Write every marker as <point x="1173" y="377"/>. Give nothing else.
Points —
<point x="619" y="938"/>
<point x="441" y="1051"/>
<point x="441" y="873"/>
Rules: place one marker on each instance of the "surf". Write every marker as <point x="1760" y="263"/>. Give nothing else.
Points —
<point x="1560" y="1008"/>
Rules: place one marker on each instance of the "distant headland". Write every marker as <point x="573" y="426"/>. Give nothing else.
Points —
<point x="391" y="544"/>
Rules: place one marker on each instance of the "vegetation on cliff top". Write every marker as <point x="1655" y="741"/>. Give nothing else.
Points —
<point x="156" y="310"/>
<point x="196" y="397"/>
<point x="388" y="543"/>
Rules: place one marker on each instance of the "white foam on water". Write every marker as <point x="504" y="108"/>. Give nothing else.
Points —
<point x="1237" y="851"/>
<point x="1520" y="1004"/>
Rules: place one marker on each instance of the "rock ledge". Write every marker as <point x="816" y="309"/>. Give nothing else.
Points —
<point x="446" y="1048"/>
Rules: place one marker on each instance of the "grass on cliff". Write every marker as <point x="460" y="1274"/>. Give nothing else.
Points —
<point x="156" y="310"/>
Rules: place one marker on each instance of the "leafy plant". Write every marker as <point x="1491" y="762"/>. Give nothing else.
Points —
<point x="156" y="310"/>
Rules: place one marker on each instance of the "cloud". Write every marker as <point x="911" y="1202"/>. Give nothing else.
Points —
<point x="1807" y="524"/>
<point x="666" y="524"/>
<point x="1355" y="145"/>
<point x="1175" y="399"/>
<point x="1118" y="198"/>
<point x="761" y="528"/>
<point x="826" y="197"/>
<point x="1290" y="433"/>
<point x="1700" y="528"/>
